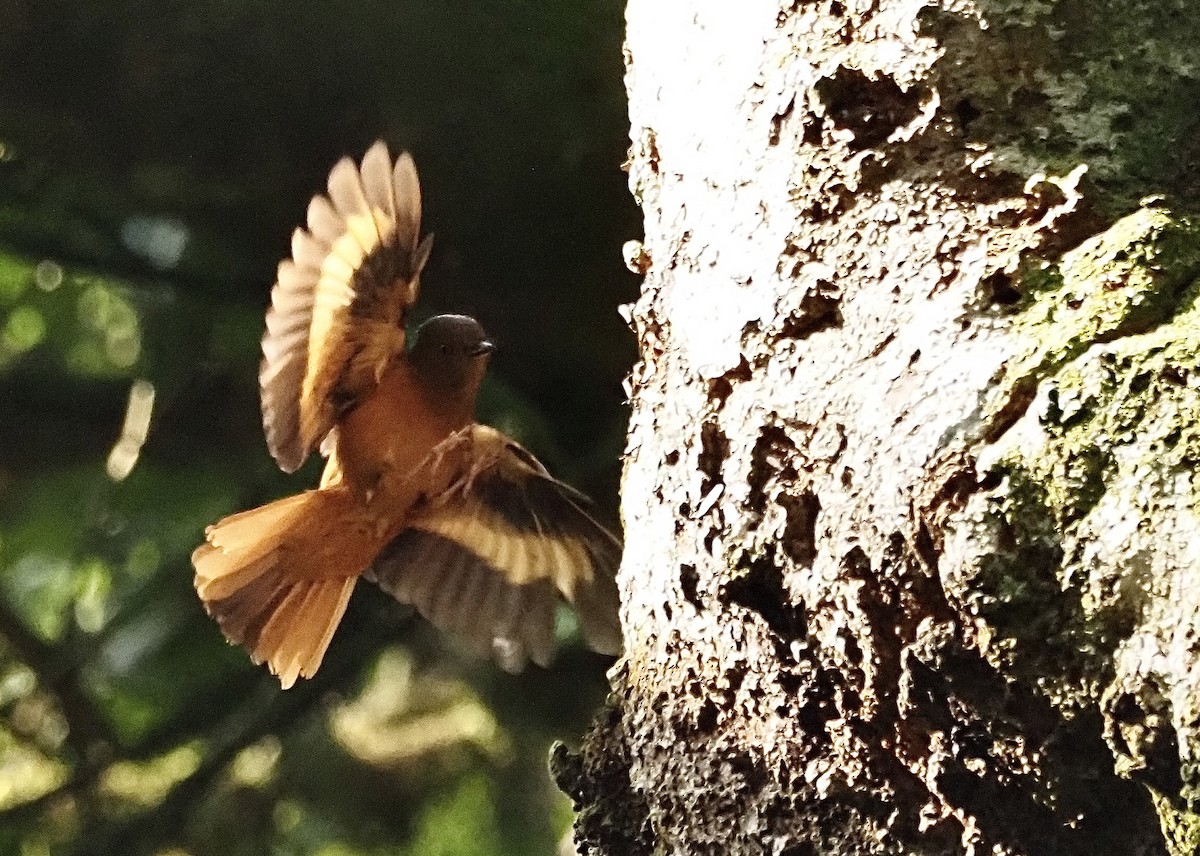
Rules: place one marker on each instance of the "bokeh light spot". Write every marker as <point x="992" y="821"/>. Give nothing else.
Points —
<point x="41" y="586"/>
<point x="18" y="683"/>
<point x="124" y="454"/>
<point x="287" y="816"/>
<point x="94" y="582"/>
<point x="159" y="240"/>
<point x="255" y="765"/>
<point x="14" y="278"/>
<point x="48" y="275"/>
<point x="145" y="783"/>
<point x="112" y="332"/>
<point x="24" y="330"/>
<point x="25" y="773"/>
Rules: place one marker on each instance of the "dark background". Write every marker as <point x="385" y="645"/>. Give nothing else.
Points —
<point x="154" y="158"/>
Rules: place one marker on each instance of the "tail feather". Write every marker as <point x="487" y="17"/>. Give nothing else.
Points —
<point x="277" y="578"/>
<point x="246" y="533"/>
<point x="236" y="578"/>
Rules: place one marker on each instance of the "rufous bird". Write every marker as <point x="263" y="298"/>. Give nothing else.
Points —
<point x="440" y="511"/>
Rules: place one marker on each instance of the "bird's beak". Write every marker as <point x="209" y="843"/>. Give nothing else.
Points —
<point x="485" y="347"/>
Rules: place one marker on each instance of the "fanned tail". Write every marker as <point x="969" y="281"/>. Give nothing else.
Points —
<point x="277" y="578"/>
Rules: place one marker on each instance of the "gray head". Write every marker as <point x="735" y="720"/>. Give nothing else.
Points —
<point x="451" y="354"/>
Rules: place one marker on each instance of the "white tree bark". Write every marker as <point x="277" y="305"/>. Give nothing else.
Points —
<point x="910" y="515"/>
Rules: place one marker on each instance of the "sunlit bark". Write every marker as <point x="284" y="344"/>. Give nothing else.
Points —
<point x="908" y="499"/>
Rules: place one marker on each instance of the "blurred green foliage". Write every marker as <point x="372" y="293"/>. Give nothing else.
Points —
<point x="154" y="158"/>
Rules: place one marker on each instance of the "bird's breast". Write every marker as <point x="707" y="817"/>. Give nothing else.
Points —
<point x="384" y="441"/>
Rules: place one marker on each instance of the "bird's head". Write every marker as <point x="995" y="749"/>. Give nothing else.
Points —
<point x="450" y="354"/>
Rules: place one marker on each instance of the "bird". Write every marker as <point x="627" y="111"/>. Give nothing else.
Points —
<point x="443" y="513"/>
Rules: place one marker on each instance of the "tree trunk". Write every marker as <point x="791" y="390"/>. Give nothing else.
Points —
<point x="911" y="522"/>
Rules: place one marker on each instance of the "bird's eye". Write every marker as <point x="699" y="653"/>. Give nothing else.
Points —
<point x="445" y="349"/>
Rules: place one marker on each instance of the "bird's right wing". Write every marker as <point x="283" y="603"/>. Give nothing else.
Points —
<point x="340" y="302"/>
<point x="489" y="559"/>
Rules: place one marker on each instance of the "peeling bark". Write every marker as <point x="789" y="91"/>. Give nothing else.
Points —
<point x="909" y="498"/>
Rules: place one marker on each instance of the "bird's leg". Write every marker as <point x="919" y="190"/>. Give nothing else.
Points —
<point x="437" y="457"/>
<point x="480" y="457"/>
<point x="479" y="462"/>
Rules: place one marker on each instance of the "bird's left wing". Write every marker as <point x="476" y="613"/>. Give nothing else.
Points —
<point x="339" y="303"/>
<point x="489" y="559"/>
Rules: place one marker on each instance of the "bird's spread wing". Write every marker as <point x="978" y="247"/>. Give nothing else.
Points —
<point x="489" y="559"/>
<point x="339" y="304"/>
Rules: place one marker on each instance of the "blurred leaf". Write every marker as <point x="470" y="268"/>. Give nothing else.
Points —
<point x="461" y="823"/>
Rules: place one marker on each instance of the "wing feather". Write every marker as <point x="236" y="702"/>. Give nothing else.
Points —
<point x="340" y="302"/>
<point x="323" y="222"/>
<point x="507" y="645"/>
<point x="472" y="608"/>
<point x="447" y="590"/>
<point x="380" y="191"/>
<point x="308" y="251"/>
<point x="407" y="193"/>
<point x="538" y="624"/>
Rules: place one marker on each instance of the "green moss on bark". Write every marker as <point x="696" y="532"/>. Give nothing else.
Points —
<point x="1125" y="281"/>
<point x="1093" y="469"/>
